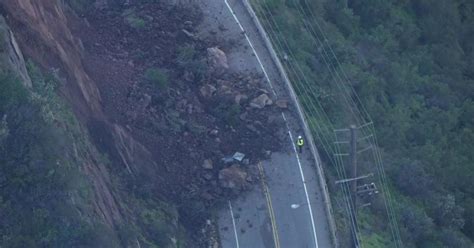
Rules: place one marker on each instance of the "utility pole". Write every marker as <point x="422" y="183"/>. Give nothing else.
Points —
<point x="353" y="183"/>
<point x="353" y="166"/>
<point x="351" y="169"/>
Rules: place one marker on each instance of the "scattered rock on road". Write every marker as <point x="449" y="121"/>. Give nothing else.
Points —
<point x="261" y="101"/>
<point x="282" y="103"/>
<point x="233" y="178"/>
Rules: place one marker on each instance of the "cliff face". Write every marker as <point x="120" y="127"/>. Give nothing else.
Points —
<point x="13" y="59"/>
<point x="41" y="27"/>
<point x="44" y="35"/>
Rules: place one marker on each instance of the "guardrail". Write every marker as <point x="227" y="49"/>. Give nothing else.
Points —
<point x="307" y="132"/>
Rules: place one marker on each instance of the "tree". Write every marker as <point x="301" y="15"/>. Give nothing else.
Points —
<point x="446" y="212"/>
<point x="419" y="227"/>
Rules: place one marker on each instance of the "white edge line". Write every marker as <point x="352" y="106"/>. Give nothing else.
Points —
<point x="284" y="117"/>
<point x="305" y="190"/>
<point x="233" y="223"/>
<point x="251" y="45"/>
<point x="291" y="137"/>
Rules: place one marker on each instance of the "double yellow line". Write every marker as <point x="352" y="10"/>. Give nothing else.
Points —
<point x="269" y="206"/>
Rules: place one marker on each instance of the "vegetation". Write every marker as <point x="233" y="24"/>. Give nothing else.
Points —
<point x="411" y="64"/>
<point x="133" y="20"/>
<point x="42" y="186"/>
<point x="227" y="111"/>
<point x="190" y="59"/>
<point x="156" y="77"/>
<point x="45" y="199"/>
<point x="80" y="6"/>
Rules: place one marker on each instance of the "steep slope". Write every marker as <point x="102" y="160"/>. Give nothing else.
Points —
<point x="44" y="153"/>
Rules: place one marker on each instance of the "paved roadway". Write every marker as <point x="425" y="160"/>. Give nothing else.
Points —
<point x="287" y="208"/>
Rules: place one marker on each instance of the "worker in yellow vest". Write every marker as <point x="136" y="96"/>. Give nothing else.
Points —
<point x="300" y="143"/>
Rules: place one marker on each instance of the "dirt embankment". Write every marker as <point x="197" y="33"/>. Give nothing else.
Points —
<point x="157" y="99"/>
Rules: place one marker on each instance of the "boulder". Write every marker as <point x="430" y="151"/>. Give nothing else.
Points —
<point x="181" y="104"/>
<point x="217" y="58"/>
<point x="252" y="128"/>
<point x="263" y="91"/>
<point x="214" y="132"/>
<point x="224" y="90"/>
<point x="207" y="164"/>
<point x="240" y="98"/>
<point x="188" y="76"/>
<point x="145" y="101"/>
<point x="268" y="154"/>
<point x="207" y="196"/>
<point x="223" y="82"/>
<point x="261" y="101"/>
<point x="233" y="178"/>
<point x="208" y="176"/>
<point x="189" y="34"/>
<point x="207" y="90"/>
<point x="243" y="116"/>
<point x="189" y="108"/>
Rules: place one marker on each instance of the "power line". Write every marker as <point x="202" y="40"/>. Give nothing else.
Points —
<point x="348" y="93"/>
<point x="299" y="88"/>
<point x="377" y="157"/>
<point x="340" y="170"/>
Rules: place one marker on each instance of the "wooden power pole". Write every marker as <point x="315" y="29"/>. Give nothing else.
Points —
<point x="353" y="166"/>
<point x="353" y="183"/>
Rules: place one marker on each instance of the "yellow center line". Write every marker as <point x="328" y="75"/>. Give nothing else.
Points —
<point x="271" y="213"/>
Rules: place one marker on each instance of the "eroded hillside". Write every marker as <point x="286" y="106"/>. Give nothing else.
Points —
<point x="158" y="111"/>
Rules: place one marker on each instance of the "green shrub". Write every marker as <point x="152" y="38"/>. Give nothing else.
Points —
<point x="81" y="6"/>
<point x="185" y="54"/>
<point x="156" y="77"/>
<point x="156" y="223"/>
<point x="133" y="20"/>
<point x="227" y="112"/>
<point x="187" y="58"/>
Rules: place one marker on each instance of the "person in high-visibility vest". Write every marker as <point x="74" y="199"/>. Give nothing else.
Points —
<point x="300" y="143"/>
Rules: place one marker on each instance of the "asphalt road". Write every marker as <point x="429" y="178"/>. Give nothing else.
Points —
<point x="287" y="209"/>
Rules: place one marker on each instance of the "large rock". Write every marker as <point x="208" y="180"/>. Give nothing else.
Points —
<point x="189" y="34"/>
<point x="240" y="98"/>
<point x="217" y="58"/>
<point x="207" y="90"/>
<point x="233" y="178"/>
<point x="207" y="164"/>
<point x="261" y="101"/>
<point x="224" y="90"/>
<point x="144" y="102"/>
